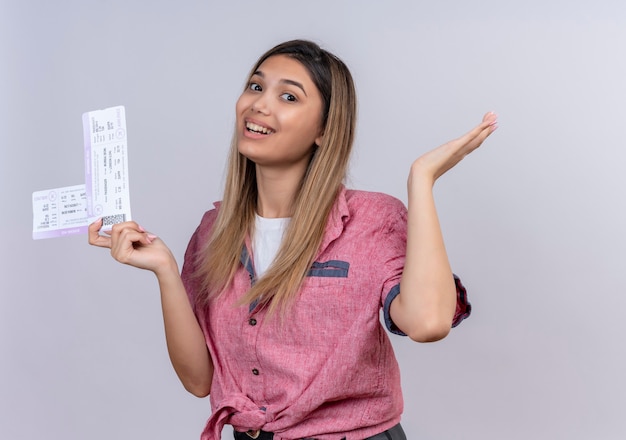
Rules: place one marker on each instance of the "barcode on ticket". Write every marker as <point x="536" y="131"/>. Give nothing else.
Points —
<point x="113" y="219"/>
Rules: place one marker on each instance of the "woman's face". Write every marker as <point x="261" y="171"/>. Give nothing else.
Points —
<point x="279" y="115"/>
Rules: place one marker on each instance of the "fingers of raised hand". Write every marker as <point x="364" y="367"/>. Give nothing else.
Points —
<point x="488" y="125"/>
<point x="490" y="118"/>
<point x="475" y="137"/>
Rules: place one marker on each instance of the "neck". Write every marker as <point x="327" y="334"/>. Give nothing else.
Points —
<point x="277" y="190"/>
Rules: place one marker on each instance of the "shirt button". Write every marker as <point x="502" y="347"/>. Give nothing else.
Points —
<point x="255" y="371"/>
<point x="252" y="321"/>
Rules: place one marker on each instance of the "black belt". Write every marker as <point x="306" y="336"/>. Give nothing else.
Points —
<point x="394" y="433"/>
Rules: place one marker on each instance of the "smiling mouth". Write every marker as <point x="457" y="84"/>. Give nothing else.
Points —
<point x="254" y="128"/>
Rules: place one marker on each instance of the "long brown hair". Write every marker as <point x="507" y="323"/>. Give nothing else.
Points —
<point x="312" y="203"/>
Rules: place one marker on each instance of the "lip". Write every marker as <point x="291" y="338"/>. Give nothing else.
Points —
<point x="259" y="123"/>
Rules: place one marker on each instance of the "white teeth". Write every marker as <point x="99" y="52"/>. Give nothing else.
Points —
<point x="257" y="128"/>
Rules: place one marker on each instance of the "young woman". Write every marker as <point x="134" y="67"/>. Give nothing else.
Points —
<point x="276" y="312"/>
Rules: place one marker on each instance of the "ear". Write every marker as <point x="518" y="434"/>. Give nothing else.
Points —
<point x="318" y="140"/>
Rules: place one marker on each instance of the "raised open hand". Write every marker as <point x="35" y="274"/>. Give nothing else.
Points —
<point x="435" y="163"/>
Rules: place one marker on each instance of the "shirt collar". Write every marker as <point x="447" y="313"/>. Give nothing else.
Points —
<point x="335" y="223"/>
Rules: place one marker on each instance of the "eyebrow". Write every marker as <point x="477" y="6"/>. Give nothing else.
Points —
<point x="284" y="81"/>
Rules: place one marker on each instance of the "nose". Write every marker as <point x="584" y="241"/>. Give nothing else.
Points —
<point x="260" y="105"/>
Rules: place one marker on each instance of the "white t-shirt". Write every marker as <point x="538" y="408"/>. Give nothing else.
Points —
<point x="268" y="234"/>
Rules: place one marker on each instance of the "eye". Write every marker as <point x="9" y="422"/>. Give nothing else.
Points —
<point x="255" y="87"/>
<point x="289" y="97"/>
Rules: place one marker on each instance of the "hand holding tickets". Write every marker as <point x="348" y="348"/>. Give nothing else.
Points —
<point x="133" y="245"/>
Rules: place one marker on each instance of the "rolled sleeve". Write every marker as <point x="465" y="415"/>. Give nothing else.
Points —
<point x="391" y="326"/>
<point x="463" y="307"/>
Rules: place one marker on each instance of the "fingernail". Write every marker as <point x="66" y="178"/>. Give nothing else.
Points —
<point x="141" y="228"/>
<point x="152" y="237"/>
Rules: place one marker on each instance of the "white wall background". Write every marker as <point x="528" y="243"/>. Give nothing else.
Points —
<point x="534" y="221"/>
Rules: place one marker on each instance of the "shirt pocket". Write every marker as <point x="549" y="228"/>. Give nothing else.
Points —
<point x="327" y="269"/>
<point x="328" y="296"/>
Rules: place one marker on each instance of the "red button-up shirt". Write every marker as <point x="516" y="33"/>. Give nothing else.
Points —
<point x="327" y="370"/>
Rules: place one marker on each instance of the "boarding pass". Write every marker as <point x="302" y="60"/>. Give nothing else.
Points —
<point x="106" y="166"/>
<point x="105" y="194"/>
<point x="59" y="212"/>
